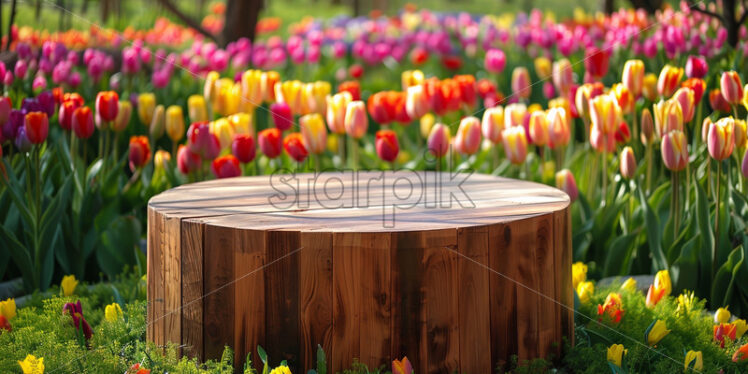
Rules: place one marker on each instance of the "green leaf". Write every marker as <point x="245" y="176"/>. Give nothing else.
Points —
<point x="706" y="233"/>
<point x="14" y="188"/>
<point x="617" y="259"/>
<point x="21" y="257"/>
<point x="653" y="235"/>
<point x="684" y="269"/>
<point x="321" y="360"/>
<point x="723" y="280"/>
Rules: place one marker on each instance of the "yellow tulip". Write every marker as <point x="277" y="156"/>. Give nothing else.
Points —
<point x="269" y="80"/>
<point x="694" y="361"/>
<point x="543" y="67"/>
<point x="146" y="106"/>
<point x="314" y="132"/>
<point x="740" y="134"/>
<point x="68" y="285"/>
<point x="332" y="143"/>
<point x="209" y="89"/>
<point x="174" y="123"/>
<point x="669" y="80"/>
<point x="616" y="352"/>
<point x="656" y="332"/>
<point x="668" y="116"/>
<point x="740" y="328"/>
<point x="161" y="159"/>
<point x="123" y="116"/>
<point x="649" y="87"/>
<point x="113" y="312"/>
<point x="515" y="144"/>
<point x="8" y="309"/>
<point x="281" y="370"/>
<point x="289" y="92"/>
<point x="411" y="78"/>
<point x="336" y="108"/>
<point x="662" y="282"/>
<point x="629" y="285"/>
<point x="196" y="109"/>
<point x="426" y="123"/>
<point x="156" y="129"/>
<point x="314" y="97"/>
<point x="251" y="90"/>
<point x="633" y="76"/>
<point x="585" y="291"/>
<point x="226" y="101"/>
<point x="514" y="114"/>
<point x="223" y="129"/>
<point x="605" y="113"/>
<point x="243" y="123"/>
<point x="722" y="315"/>
<point x="32" y="365"/>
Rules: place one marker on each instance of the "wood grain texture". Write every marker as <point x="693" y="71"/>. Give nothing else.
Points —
<point x="453" y="288"/>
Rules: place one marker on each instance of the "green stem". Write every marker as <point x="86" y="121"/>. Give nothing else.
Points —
<point x="716" y="222"/>
<point x="649" y="168"/>
<point x="605" y="178"/>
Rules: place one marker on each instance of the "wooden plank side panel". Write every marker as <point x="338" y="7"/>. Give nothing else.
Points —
<point x="408" y="324"/>
<point x="563" y="251"/>
<point x="218" y="290"/>
<point x="249" y="296"/>
<point x="316" y="295"/>
<point x="502" y="258"/>
<point x="192" y="288"/>
<point x="528" y="300"/>
<point x="474" y="314"/>
<point x="171" y="244"/>
<point x="375" y="299"/>
<point x="155" y="266"/>
<point x="548" y="345"/>
<point x="282" y="298"/>
<point x="346" y="312"/>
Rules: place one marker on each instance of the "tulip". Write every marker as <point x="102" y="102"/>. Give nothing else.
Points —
<point x="741" y="354"/>
<point x="356" y="120"/>
<point x="68" y="285"/>
<point x="584" y="94"/>
<point x="605" y="113"/>
<point x="5" y="325"/>
<point x="8" y="309"/>
<point x="669" y="80"/>
<point x="543" y="68"/>
<point x="293" y="143"/>
<point x="227" y="97"/>
<point x="698" y="86"/>
<point x="426" y="123"/>
<point x="744" y="165"/>
<point x="156" y="129"/>
<point x="696" y="67"/>
<point x="578" y="273"/>
<point x="65" y="113"/>
<point x="36" y="126"/>
<point x="495" y="61"/>
<point x="438" y="140"/>
<point x="740" y="134"/>
<point x="655" y="332"/>
<point x="270" y="142"/>
<point x="722" y="315"/>
<point x="123" y="116"/>
<point x="444" y="95"/>
<point x="633" y="77"/>
<point x="251" y="90"/>
<point x="187" y="161"/>
<point x="627" y="163"/>
<point x="174" y="123"/>
<point x="629" y="285"/>
<point x="196" y="109"/>
<point x="140" y="152"/>
<point x="107" y="105"/>
<point x="83" y="122"/>
<point x="718" y="102"/>
<point x="202" y="141"/>
<point x="745" y="96"/>
<point x="209" y="89"/>
<point x="740" y="328"/>
<point x="515" y="144"/>
<point x="21" y="141"/>
<point x="493" y="123"/>
<point x="5" y="108"/>
<point x="226" y="167"/>
<point x="623" y="133"/>
<point x="386" y="145"/>
<point x="269" y="80"/>
<point x="468" y="137"/>
<point x="336" y="111"/>
<point x="224" y="131"/>
<point x="313" y="132"/>
<point x="146" y="107"/>
<point x="282" y="116"/>
<point x="402" y="366"/>
<point x="565" y="181"/>
<point x="612" y="308"/>
<point x="596" y="62"/>
<point x="585" y="291"/>
<point x="722" y="331"/>
<point x="416" y="102"/>
<point x="352" y="87"/>
<point x="161" y="160"/>
<point x="113" y="313"/>
<point x="521" y="82"/>
<point x="32" y="365"/>
<point x="410" y="78"/>
<point x="563" y="76"/>
<point x="721" y="138"/>
<point x="668" y="117"/>
<point x="624" y="98"/>
<point x="731" y="87"/>
<point x="694" y="361"/>
<point x="243" y="147"/>
<point x="647" y="124"/>
<point x="616" y="353"/>
<point x="559" y="132"/>
<point x="242" y="123"/>
<point x="514" y="115"/>
<point x="649" y="87"/>
<point x="538" y="128"/>
<point x="661" y="288"/>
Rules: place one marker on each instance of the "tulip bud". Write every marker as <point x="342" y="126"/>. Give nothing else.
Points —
<point x="493" y="123"/>
<point x="705" y="125"/>
<point x="65" y="114"/>
<point x="426" y="123"/>
<point x="649" y="87"/>
<point x="624" y="98"/>
<point x="615" y="354"/>
<point x="687" y="100"/>
<point x="732" y="87"/>
<point x="740" y="134"/>
<point x="543" y="68"/>
<point x="721" y="138"/>
<point x="140" y="152"/>
<point x="336" y="110"/>
<point x="161" y="160"/>
<point x="209" y="89"/>
<point x="722" y="315"/>
<point x="36" y="127"/>
<point x="696" y="67"/>
<point x="538" y="128"/>
<point x="495" y="61"/>
<point x="468" y="137"/>
<point x="386" y="145"/>
<point x="293" y="143"/>
<point x="269" y="80"/>
<point x="585" y="289"/>
<point x="314" y="133"/>
<point x="416" y="102"/>
<point x="282" y="116"/>
<point x="515" y="144"/>
<point x="514" y="115"/>
<point x="565" y="182"/>
<point x="718" y="102"/>
<point x="563" y="76"/>
<point x="243" y="147"/>
<point x="123" y="116"/>
<point x="698" y="86"/>
<point x="668" y="117"/>
<point x="196" y="109"/>
<point x="21" y="141"/>
<point x="270" y="142"/>
<point x="146" y="106"/>
<point x="669" y="80"/>
<point x="411" y="78"/>
<point x="187" y="161"/>
<point x="559" y="132"/>
<point x="675" y="150"/>
<point x="647" y="124"/>
<point x="352" y="87"/>
<point x="201" y="141"/>
<point x="158" y="122"/>
<point x="627" y="163"/>
<point x="694" y="361"/>
<point x="83" y="122"/>
<point x="356" y="120"/>
<point x="251" y="90"/>
<point x="521" y="82"/>
<point x="438" y="140"/>
<point x="656" y="332"/>
<point x="584" y="94"/>
<point x="633" y="77"/>
<point x="226" y="167"/>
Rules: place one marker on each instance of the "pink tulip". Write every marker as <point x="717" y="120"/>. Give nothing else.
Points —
<point x="696" y="67"/>
<point x="438" y="141"/>
<point x="495" y="61"/>
<point x="565" y="182"/>
<point x="732" y="87"/>
<point x="468" y="137"/>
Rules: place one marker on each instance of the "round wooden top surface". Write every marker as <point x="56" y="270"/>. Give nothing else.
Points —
<point x="351" y="201"/>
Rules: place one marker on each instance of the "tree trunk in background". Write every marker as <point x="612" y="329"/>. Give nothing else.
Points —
<point x="609" y="6"/>
<point x="356" y="4"/>
<point x="651" y="6"/>
<point x="10" y="24"/>
<point x="104" y="11"/>
<point x="38" y="10"/>
<point x="731" y="22"/>
<point x="241" y="20"/>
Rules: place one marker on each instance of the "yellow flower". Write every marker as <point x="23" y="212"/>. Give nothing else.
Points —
<point x="662" y="282"/>
<point x="543" y="67"/>
<point x="655" y="332"/>
<point x="174" y="123"/>
<point x="196" y="109"/>
<point x="8" y="308"/>
<point x="686" y="302"/>
<point x="32" y="365"/>
<point x="68" y="285"/>
<point x="209" y="89"/>
<point x="112" y="312"/>
<point x="411" y="78"/>
<point x="578" y="273"/>
<point x="629" y="285"/>
<point x="332" y="143"/>
<point x="427" y="122"/>
<point x="243" y="123"/>
<point x="146" y="106"/>
<point x="224" y="131"/>
<point x="616" y="352"/>
<point x="722" y="315"/>
<point x="740" y="328"/>
<point x="649" y="87"/>
<point x="694" y="361"/>
<point x="161" y="159"/>
<point x="281" y="370"/>
<point x="585" y="291"/>
<point x="252" y="92"/>
<point x="227" y="96"/>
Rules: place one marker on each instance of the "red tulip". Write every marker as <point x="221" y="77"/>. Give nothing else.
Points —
<point x="282" y="116"/>
<point x="444" y="95"/>
<point x="718" y="102"/>
<point x="270" y="142"/>
<point x="293" y="143"/>
<point x="623" y="133"/>
<point x="201" y="141"/>
<point x="596" y="62"/>
<point x="226" y="167"/>
<point x="4" y="324"/>
<point x="468" y="90"/>
<point x="452" y="62"/>
<point x="387" y="145"/>
<point x="83" y="122"/>
<point x="698" y="86"/>
<point x="37" y="127"/>
<point x="73" y="96"/>
<point x="696" y="67"/>
<point x="352" y="87"/>
<point x="187" y="161"/>
<point x="356" y="71"/>
<point x="243" y="147"/>
<point x="107" y="105"/>
<point x="140" y="152"/>
<point x="65" y="114"/>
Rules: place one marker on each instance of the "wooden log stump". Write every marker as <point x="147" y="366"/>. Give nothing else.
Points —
<point x="458" y="272"/>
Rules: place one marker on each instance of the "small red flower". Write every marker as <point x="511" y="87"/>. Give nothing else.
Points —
<point x="452" y="62"/>
<point x="4" y="324"/>
<point x="37" y="127"/>
<point x="293" y="143"/>
<point x="387" y="145"/>
<point x="356" y="71"/>
<point x="107" y="105"/>
<point x="270" y="142"/>
<point x="243" y="147"/>
<point x="724" y="330"/>
<point x="226" y="167"/>
<point x="83" y="122"/>
<point x="65" y="114"/>
<point x="140" y="152"/>
<point x="76" y="312"/>
<point x="353" y="87"/>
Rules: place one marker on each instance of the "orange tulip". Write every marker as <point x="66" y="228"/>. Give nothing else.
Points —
<point x="624" y="97"/>
<point x="669" y="80"/>
<point x="293" y="143"/>
<point x="314" y="132"/>
<point x="741" y="354"/>
<point x="107" y="105"/>
<point x="269" y="81"/>
<point x="538" y="126"/>
<point x="140" y="152"/>
<point x="698" y="86"/>
<point x="36" y="125"/>
<point x="612" y="308"/>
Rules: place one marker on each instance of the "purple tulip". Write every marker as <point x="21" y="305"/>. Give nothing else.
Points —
<point x="46" y="102"/>
<point x="30" y="104"/>
<point x="21" y="141"/>
<point x="15" y="121"/>
<point x="130" y="61"/>
<point x="24" y="50"/>
<point x="75" y="79"/>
